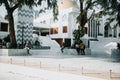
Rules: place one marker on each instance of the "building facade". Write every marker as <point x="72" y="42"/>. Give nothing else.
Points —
<point x="62" y="29"/>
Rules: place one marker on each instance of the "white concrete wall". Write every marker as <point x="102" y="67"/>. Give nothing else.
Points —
<point x="101" y="26"/>
<point x="15" y="14"/>
<point x="67" y="17"/>
<point x="74" y="52"/>
<point x="3" y="34"/>
<point x="13" y="52"/>
<point x="118" y="32"/>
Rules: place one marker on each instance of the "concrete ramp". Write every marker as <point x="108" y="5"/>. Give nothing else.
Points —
<point x="103" y="47"/>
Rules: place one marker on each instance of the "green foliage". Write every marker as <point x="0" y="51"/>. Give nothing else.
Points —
<point x="82" y="18"/>
<point x="118" y="17"/>
<point x="6" y="17"/>
<point x="52" y="4"/>
<point x="79" y="33"/>
<point x="111" y="8"/>
<point x="7" y="38"/>
<point x="12" y="5"/>
<point x="55" y="11"/>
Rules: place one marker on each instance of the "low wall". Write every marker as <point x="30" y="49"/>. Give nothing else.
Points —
<point x="87" y="51"/>
<point x="3" y="52"/>
<point x="115" y="53"/>
<point x="74" y="52"/>
<point x="22" y="52"/>
<point x="13" y="52"/>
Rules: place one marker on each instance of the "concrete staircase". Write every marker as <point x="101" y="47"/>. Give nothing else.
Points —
<point x="46" y="41"/>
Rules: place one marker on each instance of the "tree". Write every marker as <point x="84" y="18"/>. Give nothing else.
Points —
<point x="86" y="6"/>
<point x="7" y="38"/>
<point x="108" y="7"/>
<point x="12" y="5"/>
<point x="111" y="8"/>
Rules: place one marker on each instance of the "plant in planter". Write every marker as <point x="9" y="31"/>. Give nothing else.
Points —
<point x="78" y="34"/>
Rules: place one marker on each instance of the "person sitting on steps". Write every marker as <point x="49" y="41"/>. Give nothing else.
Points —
<point x="62" y="47"/>
<point x="82" y="48"/>
<point x="28" y="46"/>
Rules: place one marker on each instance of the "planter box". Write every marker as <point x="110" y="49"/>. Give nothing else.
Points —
<point x="13" y="52"/>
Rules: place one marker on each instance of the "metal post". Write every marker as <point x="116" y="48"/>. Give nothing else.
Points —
<point x="59" y="67"/>
<point x="40" y="64"/>
<point x="0" y="59"/>
<point x="24" y="62"/>
<point x="11" y="60"/>
<point x="110" y="73"/>
<point x="82" y="70"/>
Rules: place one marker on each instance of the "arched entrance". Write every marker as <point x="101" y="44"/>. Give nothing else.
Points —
<point x="115" y="32"/>
<point x="107" y="31"/>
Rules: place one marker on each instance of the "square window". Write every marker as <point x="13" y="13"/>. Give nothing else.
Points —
<point x="64" y="29"/>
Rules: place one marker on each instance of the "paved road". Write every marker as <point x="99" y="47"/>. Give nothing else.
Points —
<point x="94" y="61"/>
<point x="13" y="72"/>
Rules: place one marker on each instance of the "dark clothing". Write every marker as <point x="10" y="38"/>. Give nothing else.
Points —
<point x="82" y="49"/>
<point x="28" y="46"/>
<point x="82" y="52"/>
<point x="37" y="44"/>
<point x="62" y="47"/>
<point x="62" y="50"/>
<point x="77" y="48"/>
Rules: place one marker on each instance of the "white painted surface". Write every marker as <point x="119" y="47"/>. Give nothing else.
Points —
<point x="10" y="72"/>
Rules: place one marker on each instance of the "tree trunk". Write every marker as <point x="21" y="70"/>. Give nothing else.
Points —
<point x="11" y="29"/>
<point x="83" y="19"/>
<point x="83" y="15"/>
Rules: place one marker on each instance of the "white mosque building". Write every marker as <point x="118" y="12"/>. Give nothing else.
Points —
<point x="62" y="29"/>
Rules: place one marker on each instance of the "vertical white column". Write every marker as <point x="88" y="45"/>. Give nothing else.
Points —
<point x="71" y="25"/>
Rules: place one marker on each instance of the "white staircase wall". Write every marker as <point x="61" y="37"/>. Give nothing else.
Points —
<point x="46" y="41"/>
<point x="103" y="45"/>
